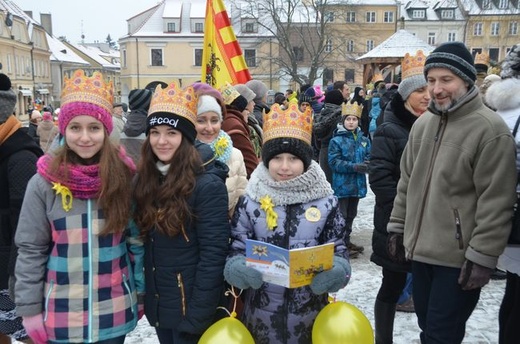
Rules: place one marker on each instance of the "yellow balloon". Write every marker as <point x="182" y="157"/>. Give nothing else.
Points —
<point x="228" y="330"/>
<point x="342" y="323"/>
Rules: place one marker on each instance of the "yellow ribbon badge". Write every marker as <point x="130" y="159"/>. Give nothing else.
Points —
<point x="66" y="195"/>
<point x="267" y="205"/>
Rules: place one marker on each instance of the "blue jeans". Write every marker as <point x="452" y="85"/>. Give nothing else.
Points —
<point x="442" y="307"/>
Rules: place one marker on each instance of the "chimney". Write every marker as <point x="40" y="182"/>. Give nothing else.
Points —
<point x="46" y="22"/>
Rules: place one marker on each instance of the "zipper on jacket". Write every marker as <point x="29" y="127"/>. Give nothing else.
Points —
<point x="458" y="233"/>
<point x="180" y="284"/>
<point x="127" y="287"/>
<point x="47" y="297"/>
<point x="183" y="231"/>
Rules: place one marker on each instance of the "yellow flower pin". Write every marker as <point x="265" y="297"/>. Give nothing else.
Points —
<point x="267" y="205"/>
<point x="66" y="195"/>
<point x="220" y="146"/>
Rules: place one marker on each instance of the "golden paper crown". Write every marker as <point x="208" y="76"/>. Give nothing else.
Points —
<point x="482" y="58"/>
<point x="172" y="99"/>
<point x="229" y="93"/>
<point x="288" y="123"/>
<point x="94" y="90"/>
<point x="377" y="77"/>
<point x="412" y="65"/>
<point x="354" y="109"/>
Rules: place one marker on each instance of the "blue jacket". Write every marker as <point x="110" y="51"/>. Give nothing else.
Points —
<point x="346" y="149"/>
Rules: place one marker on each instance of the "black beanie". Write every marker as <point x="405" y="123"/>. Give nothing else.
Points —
<point x="291" y="145"/>
<point x="239" y="103"/>
<point x="454" y="56"/>
<point x="139" y="99"/>
<point x="334" y="97"/>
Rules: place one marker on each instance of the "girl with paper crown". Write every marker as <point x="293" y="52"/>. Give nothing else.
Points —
<point x="288" y="203"/>
<point x="76" y="281"/>
<point x="181" y="207"/>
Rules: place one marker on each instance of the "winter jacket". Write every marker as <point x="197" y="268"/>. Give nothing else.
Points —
<point x="503" y="96"/>
<point x="32" y="132"/>
<point x="18" y="156"/>
<point x="237" y="178"/>
<point x="375" y="111"/>
<point x="259" y="110"/>
<point x="325" y="123"/>
<point x="133" y="134"/>
<point x="84" y="284"/>
<point x="272" y="313"/>
<point x="184" y="274"/>
<point x="457" y="188"/>
<point x="46" y="131"/>
<point x="346" y="149"/>
<point x="388" y="144"/>
<point x="236" y="127"/>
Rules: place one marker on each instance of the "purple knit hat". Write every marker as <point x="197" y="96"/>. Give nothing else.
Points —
<point x="83" y="95"/>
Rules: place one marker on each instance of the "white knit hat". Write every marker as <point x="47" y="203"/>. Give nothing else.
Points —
<point x="209" y="104"/>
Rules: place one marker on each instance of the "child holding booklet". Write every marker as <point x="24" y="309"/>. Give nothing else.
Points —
<point x="290" y="204"/>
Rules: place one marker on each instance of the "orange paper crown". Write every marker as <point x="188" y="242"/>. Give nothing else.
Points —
<point x="354" y="109"/>
<point x="182" y="102"/>
<point x="482" y="58"/>
<point x="288" y="123"/>
<point x="412" y="65"/>
<point x="229" y="93"/>
<point x="94" y="90"/>
<point x="377" y="77"/>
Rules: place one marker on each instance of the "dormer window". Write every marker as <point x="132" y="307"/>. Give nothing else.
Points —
<point x="503" y="4"/>
<point x="199" y="27"/>
<point x="447" y="14"/>
<point x="486" y="4"/>
<point x="249" y="25"/>
<point x="418" y="14"/>
<point x="172" y="25"/>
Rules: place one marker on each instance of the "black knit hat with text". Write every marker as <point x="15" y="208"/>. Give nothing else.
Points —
<point x="454" y="56"/>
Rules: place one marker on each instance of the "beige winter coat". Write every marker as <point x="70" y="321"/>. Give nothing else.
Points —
<point x="47" y="131"/>
<point x="236" y="181"/>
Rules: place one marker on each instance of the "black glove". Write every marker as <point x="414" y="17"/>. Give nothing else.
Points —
<point x="395" y="248"/>
<point x="473" y="275"/>
<point x="361" y="168"/>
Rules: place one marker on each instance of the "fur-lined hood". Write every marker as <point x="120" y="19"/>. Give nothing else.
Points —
<point x="504" y="94"/>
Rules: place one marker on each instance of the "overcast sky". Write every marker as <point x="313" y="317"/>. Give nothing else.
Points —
<point x="95" y="18"/>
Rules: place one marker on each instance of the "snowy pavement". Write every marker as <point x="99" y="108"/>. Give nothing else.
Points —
<point x="482" y="327"/>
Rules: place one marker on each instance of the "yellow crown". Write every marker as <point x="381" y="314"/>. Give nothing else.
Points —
<point x="94" y="90"/>
<point x="229" y="93"/>
<point x="354" y="109"/>
<point x="288" y="123"/>
<point x="482" y="58"/>
<point x="412" y="65"/>
<point x="377" y="77"/>
<point x="172" y="99"/>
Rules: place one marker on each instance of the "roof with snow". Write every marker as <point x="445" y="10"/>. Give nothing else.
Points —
<point x="61" y="53"/>
<point x="107" y="59"/>
<point x="489" y="7"/>
<point x="396" y="46"/>
<point x="433" y="10"/>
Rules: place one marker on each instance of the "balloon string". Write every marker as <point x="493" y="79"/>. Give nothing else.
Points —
<point x="232" y="292"/>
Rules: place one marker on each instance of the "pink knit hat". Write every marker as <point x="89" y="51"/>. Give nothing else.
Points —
<point x="47" y="116"/>
<point x="83" y="95"/>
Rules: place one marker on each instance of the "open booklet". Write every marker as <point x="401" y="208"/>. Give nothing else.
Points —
<point x="289" y="268"/>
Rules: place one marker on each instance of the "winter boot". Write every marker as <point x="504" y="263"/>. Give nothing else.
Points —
<point x="384" y="314"/>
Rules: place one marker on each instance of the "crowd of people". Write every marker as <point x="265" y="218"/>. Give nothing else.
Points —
<point x="116" y="211"/>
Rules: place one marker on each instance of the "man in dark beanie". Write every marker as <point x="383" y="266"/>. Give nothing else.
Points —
<point x="18" y="156"/>
<point x="452" y="213"/>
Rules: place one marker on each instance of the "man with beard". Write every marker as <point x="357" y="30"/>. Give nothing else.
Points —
<point x="452" y="213"/>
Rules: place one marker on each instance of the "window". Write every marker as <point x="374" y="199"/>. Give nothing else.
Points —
<point x="370" y="45"/>
<point x="250" y="27"/>
<point x="349" y="75"/>
<point x="199" y="27"/>
<point x="328" y="45"/>
<point x="371" y="17"/>
<point x="329" y="17"/>
<point x="493" y="54"/>
<point x="513" y="28"/>
<point x="123" y="56"/>
<point x="486" y="4"/>
<point x="157" y="57"/>
<point x="350" y="46"/>
<point x="250" y="57"/>
<point x="171" y="27"/>
<point x="389" y="17"/>
<point x="418" y="14"/>
<point x="477" y="29"/>
<point x="447" y="14"/>
<point x="495" y="29"/>
<point x="351" y="17"/>
<point x="431" y="38"/>
<point x="503" y="4"/>
<point x="452" y="36"/>
<point x="298" y="53"/>
<point x="198" y="57"/>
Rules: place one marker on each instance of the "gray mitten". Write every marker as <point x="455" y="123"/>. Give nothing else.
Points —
<point x="241" y="276"/>
<point x="332" y="280"/>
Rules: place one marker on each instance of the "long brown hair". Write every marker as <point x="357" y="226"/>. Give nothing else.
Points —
<point x="116" y="178"/>
<point x="162" y="201"/>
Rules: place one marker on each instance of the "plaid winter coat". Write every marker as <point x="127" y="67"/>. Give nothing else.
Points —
<point x="83" y="283"/>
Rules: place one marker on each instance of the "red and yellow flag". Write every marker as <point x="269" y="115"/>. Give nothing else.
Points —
<point x="222" y="58"/>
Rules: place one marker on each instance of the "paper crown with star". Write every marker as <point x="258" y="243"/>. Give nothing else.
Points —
<point x="86" y="95"/>
<point x="229" y="93"/>
<point x="175" y="107"/>
<point x="412" y="64"/>
<point x="354" y="109"/>
<point x="377" y="77"/>
<point x="482" y="58"/>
